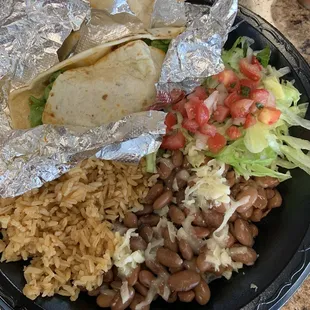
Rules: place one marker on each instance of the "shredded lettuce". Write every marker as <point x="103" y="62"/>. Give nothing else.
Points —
<point x="264" y="56"/>
<point x="37" y="105"/>
<point x="160" y="44"/>
<point x="151" y="163"/>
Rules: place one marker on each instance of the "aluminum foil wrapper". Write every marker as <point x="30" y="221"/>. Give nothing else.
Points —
<point x="196" y="53"/>
<point x="29" y="158"/>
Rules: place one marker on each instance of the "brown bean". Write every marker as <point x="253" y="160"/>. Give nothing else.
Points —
<point x="146" y="232"/>
<point x="220" y="209"/>
<point x="105" y="300"/>
<point x="137" y="243"/>
<point x="180" y="196"/>
<point x="147" y="209"/>
<point x="169" y="181"/>
<point x="254" y="230"/>
<point x="177" y="216"/>
<point x="171" y="245"/>
<point x="249" y="191"/>
<point x="186" y="296"/>
<point x="247" y="214"/>
<point x="199" y="220"/>
<point x="141" y="289"/>
<point x="233" y="217"/>
<point x="231" y="178"/>
<point x="185" y="249"/>
<point x="235" y="190"/>
<point x="163" y="200"/>
<point x="154" y="192"/>
<point x="137" y="300"/>
<point x="266" y="182"/>
<point x="186" y="163"/>
<point x="94" y="292"/>
<point x="108" y="276"/>
<point x="202" y="292"/>
<point x="182" y="177"/>
<point x="116" y="284"/>
<point x="230" y="240"/>
<point x="133" y="278"/>
<point x="156" y="267"/>
<point x="191" y="264"/>
<point x="257" y="215"/>
<point x="243" y="232"/>
<point x="243" y="255"/>
<point x="201" y="232"/>
<point x="168" y="258"/>
<point x="177" y="158"/>
<point x="270" y="193"/>
<point x="275" y="201"/>
<point x="172" y="298"/>
<point x="117" y="303"/>
<point x="150" y="219"/>
<point x="202" y="264"/>
<point x="176" y="269"/>
<point x="146" y="278"/>
<point x="261" y="201"/>
<point x="165" y="168"/>
<point x="130" y="220"/>
<point x="213" y="218"/>
<point x="183" y="281"/>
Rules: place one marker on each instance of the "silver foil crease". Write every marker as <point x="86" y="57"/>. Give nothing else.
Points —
<point x="29" y="158"/>
<point x="196" y="53"/>
<point x="168" y="14"/>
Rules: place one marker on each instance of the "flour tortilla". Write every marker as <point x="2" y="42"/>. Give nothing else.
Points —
<point x="120" y="83"/>
<point x="19" y="99"/>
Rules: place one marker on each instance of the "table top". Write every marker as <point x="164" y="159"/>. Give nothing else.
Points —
<point x="293" y="21"/>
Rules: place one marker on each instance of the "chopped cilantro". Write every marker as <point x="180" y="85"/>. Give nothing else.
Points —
<point x="245" y="91"/>
<point x="259" y="105"/>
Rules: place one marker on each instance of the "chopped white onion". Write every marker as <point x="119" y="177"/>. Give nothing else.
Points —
<point x="183" y="175"/>
<point x="124" y="292"/>
<point x="212" y="101"/>
<point x="239" y="121"/>
<point x="249" y="55"/>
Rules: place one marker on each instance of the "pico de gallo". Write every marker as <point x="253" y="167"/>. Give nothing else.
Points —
<point x="240" y="116"/>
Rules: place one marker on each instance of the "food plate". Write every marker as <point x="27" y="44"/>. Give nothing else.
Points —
<point x="284" y="235"/>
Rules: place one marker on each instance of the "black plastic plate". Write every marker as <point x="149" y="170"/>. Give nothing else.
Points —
<point x="284" y="239"/>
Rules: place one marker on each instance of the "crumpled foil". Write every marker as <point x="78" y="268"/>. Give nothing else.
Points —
<point x="29" y="158"/>
<point x="31" y="33"/>
<point x="196" y="53"/>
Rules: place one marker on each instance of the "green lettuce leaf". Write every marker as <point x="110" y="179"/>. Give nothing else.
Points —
<point x="160" y="44"/>
<point x="264" y="56"/>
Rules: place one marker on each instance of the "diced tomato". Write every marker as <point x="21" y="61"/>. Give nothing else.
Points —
<point x="249" y="121"/>
<point x="190" y="125"/>
<point x="230" y="80"/>
<point x="249" y="70"/>
<point x="233" y="97"/>
<point x="191" y="107"/>
<point x="208" y="130"/>
<point x="175" y="141"/>
<point x="233" y="132"/>
<point x="180" y="107"/>
<point x="202" y="114"/>
<point x="257" y="63"/>
<point x="248" y="83"/>
<point x="221" y="113"/>
<point x="170" y="121"/>
<point x="177" y="95"/>
<point x="264" y="97"/>
<point x="216" y="143"/>
<point x="199" y="92"/>
<point x="241" y="108"/>
<point x="269" y="116"/>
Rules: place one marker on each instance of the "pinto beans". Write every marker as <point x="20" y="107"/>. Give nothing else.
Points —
<point x="133" y="278"/>
<point x="154" y="193"/>
<point x="261" y="201"/>
<point x="163" y="200"/>
<point x="243" y="255"/>
<point x="177" y="158"/>
<point x="108" y="276"/>
<point x="201" y="232"/>
<point x="185" y="249"/>
<point x="146" y="232"/>
<point x="105" y="300"/>
<point x="252" y="193"/>
<point x="183" y="281"/>
<point x="147" y="209"/>
<point x="213" y="219"/>
<point x="117" y="303"/>
<point x="266" y="182"/>
<point x="171" y="245"/>
<point x="146" y="278"/>
<point x="243" y="232"/>
<point x="257" y="215"/>
<point x="165" y="169"/>
<point x="176" y="214"/>
<point x="150" y="219"/>
<point x="168" y="258"/>
<point x="202" y="292"/>
<point x="186" y="296"/>
<point x="130" y="220"/>
<point x="137" y="243"/>
<point x="275" y="201"/>
<point x="137" y="300"/>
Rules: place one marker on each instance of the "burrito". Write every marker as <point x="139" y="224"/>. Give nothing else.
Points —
<point x="95" y="87"/>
